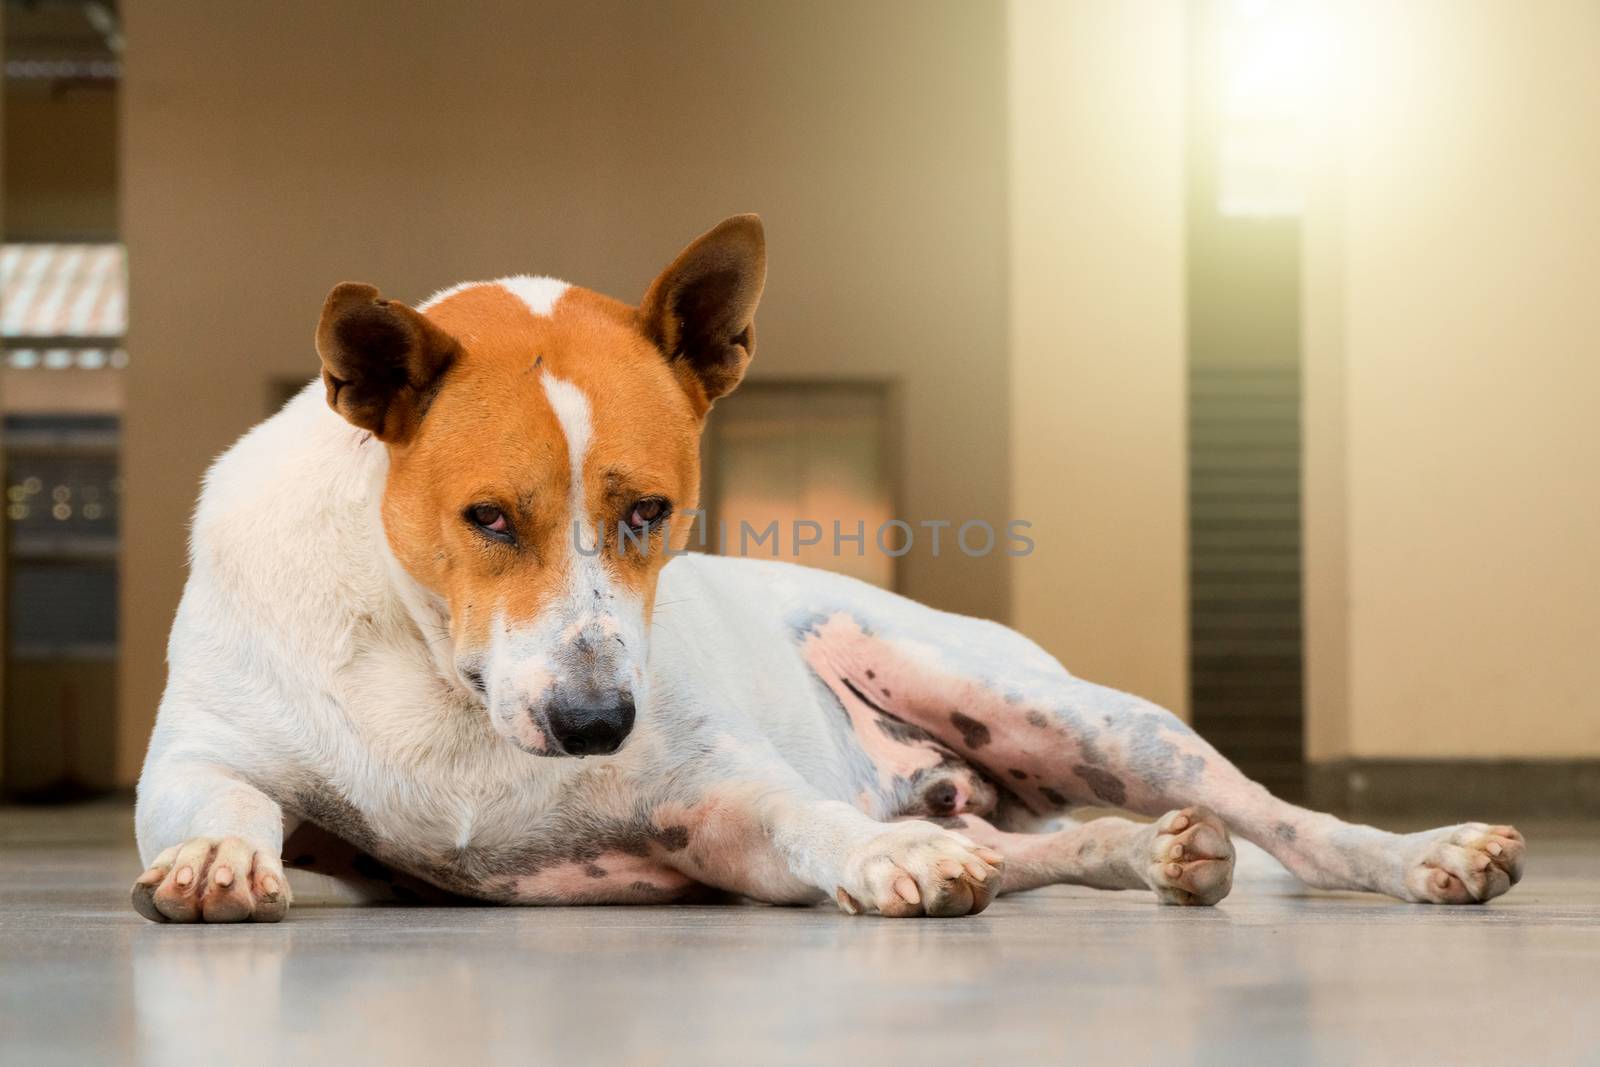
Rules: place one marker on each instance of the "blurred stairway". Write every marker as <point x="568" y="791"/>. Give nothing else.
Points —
<point x="1245" y="600"/>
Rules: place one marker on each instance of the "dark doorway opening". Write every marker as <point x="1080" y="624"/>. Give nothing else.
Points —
<point x="1243" y="281"/>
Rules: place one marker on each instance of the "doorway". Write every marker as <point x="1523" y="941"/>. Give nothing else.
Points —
<point x="1244" y="386"/>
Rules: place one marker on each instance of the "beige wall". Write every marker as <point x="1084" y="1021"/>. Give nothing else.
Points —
<point x="1453" y="247"/>
<point x="1097" y="337"/>
<point x="1324" y="485"/>
<point x="271" y="150"/>
<point x="1453" y="301"/>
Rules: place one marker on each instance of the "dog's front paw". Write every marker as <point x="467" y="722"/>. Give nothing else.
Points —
<point x="915" y="868"/>
<point x="1188" y="857"/>
<point x="213" y="880"/>
<point x="1467" y="864"/>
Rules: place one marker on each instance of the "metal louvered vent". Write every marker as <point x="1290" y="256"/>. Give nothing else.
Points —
<point x="1246" y="664"/>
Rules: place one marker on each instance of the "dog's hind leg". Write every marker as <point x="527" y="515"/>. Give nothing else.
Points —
<point x="1000" y="702"/>
<point x="1185" y="856"/>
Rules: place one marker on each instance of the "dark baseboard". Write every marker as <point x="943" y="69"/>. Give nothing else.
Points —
<point x="1487" y="790"/>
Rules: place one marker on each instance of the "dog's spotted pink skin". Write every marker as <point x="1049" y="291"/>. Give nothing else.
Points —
<point x="727" y="843"/>
<point x="612" y="877"/>
<point x="833" y="662"/>
<point x="976" y="721"/>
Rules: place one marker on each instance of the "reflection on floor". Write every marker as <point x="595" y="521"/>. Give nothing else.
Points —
<point x="1274" y="975"/>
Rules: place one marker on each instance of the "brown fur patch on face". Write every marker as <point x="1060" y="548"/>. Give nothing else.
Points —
<point x="491" y="437"/>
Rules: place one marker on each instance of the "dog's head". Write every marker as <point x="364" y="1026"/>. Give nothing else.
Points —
<point x="540" y="438"/>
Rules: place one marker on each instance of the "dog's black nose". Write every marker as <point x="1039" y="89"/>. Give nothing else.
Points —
<point x="592" y="731"/>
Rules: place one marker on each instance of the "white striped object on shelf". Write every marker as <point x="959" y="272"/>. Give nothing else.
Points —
<point x="63" y="290"/>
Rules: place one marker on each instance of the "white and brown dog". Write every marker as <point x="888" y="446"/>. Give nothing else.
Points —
<point x="428" y="578"/>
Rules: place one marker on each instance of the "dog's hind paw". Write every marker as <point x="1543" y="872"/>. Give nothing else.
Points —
<point x="213" y="880"/>
<point x="915" y="868"/>
<point x="1187" y="857"/>
<point x="1467" y="864"/>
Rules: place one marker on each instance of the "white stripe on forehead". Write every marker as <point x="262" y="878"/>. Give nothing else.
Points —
<point x="540" y="294"/>
<point x="572" y="412"/>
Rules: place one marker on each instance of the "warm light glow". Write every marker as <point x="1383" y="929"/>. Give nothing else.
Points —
<point x="1277" y="71"/>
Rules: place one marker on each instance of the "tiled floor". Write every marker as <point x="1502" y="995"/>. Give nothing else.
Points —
<point x="1274" y="975"/>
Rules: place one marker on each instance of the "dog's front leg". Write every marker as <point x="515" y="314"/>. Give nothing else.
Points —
<point x="901" y="869"/>
<point x="212" y="845"/>
<point x="755" y="827"/>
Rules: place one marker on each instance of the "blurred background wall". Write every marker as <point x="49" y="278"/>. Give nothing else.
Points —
<point x="61" y="393"/>
<point x="1275" y="320"/>
<point x="1097" y="338"/>
<point x="1452" y="297"/>
<point x="270" y="151"/>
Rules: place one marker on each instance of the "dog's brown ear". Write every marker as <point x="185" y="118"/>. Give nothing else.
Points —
<point x="381" y="360"/>
<point x="701" y="311"/>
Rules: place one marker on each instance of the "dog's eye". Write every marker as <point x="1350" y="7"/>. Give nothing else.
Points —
<point x="650" y="509"/>
<point x="492" y="521"/>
